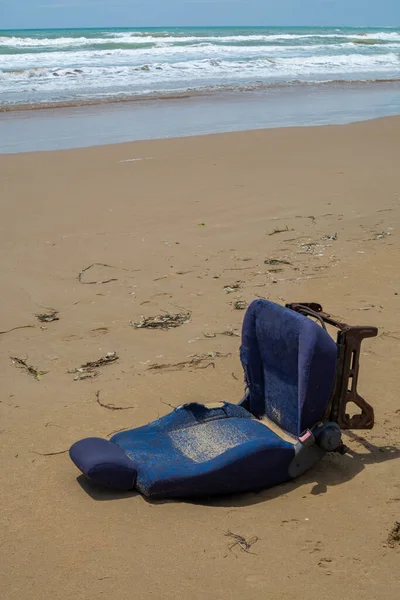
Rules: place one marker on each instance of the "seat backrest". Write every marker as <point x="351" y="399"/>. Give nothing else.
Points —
<point x="290" y="365"/>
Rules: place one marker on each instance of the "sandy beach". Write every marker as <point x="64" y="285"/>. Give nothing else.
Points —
<point x="171" y="223"/>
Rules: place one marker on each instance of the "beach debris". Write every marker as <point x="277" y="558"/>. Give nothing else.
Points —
<point x="310" y="247"/>
<point x="15" y="328"/>
<point x="197" y="361"/>
<point x="201" y="224"/>
<point x="369" y="307"/>
<point x="275" y="231"/>
<point x="111" y="406"/>
<point x="48" y="317"/>
<point x="240" y="305"/>
<point x="381" y="235"/>
<point x="81" y="376"/>
<point x="80" y="274"/>
<point x="241" y="541"/>
<point x="393" y="539"/>
<point x="330" y="238"/>
<point x="276" y="261"/>
<point x="88" y="370"/>
<point x="229" y="332"/>
<point x="232" y="287"/>
<point x="166" y="321"/>
<point x="97" y="264"/>
<point x="20" y="362"/>
<point x="126" y="160"/>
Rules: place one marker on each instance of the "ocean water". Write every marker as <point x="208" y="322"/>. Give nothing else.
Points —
<point x="77" y="66"/>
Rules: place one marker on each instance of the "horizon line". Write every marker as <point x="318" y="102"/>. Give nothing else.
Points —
<point x="199" y="27"/>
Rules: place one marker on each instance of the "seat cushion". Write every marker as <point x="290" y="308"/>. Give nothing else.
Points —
<point x="290" y="365"/>
<point x="198" y="451"/>
<point x="104" y="463"/>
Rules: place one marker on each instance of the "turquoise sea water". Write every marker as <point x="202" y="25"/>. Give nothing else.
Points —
<point x="77" y="65"/>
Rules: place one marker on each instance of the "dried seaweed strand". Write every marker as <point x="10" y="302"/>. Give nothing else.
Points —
<point x="49" y="453"/>
<point x="31" y="370"/>
<point x="80" y="274"/>
<point x="14" y="328"/>
<point x="48" y="317"/>
<point x="394" y="535"/>
<point x="195" y="362"/>
<point x="241" y="541"/>
<point x="280" y="230"/>
<point x="89" y="367"/>
<point x="166" y="321"/>
<point x="110" y="406"/>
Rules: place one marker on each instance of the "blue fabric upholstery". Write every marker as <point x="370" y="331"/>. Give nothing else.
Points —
<point x="196" y="451"/>
<point x="104" y="463"/>
<point x="289" y="363"/>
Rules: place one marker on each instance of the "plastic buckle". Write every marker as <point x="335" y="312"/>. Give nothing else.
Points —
<point x="307" y="438"/>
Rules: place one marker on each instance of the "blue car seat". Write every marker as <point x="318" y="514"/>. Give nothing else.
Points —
<point x="277" y="432"/>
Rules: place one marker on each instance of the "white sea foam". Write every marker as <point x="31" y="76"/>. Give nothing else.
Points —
<point x="186" y="74"/>
<point x="38" y="68"/>
<point x="134" y="38"/>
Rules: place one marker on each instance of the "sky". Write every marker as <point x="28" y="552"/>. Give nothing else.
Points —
<point x="15" y="14"/>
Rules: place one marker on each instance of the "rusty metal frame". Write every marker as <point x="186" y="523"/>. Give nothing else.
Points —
<point x="349" y="340"/>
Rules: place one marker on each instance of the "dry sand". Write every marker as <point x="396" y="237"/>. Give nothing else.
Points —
<point x="196" y="215"/>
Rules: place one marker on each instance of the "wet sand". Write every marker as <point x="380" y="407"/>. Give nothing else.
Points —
<point x="177" y="221"/>
<point x="61" y="128"/>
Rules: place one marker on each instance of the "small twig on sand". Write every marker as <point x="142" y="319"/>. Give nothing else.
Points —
<point x="119" y="430"/>
<point x="228" y="332"/>
<point x="240" y="541"/>
<point x="49" y="453"/>
<point x="280" y="230"/>
<point x="301" y="278"/>
<point x="196" y="362"/>
<point x="110" y="406"/>
<point x="80" y="274"/>
<point x="276" y="261"/>
<point x="167" y="404"/>
<point x="31" y="370"/>
<point x="14" y="328"/>
<point x="180" y="366"/>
